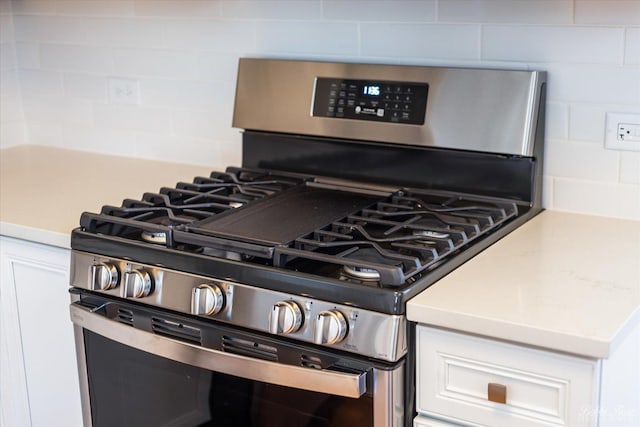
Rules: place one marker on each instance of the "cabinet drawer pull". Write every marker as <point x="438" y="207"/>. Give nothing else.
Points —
<point x="497" y="393"/>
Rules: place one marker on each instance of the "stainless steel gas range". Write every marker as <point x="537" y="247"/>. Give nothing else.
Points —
<point x="274" y="294"/>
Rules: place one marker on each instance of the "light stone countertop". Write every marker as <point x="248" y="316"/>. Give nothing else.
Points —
<point x="43" y="190"/>
<point x="562" y="281"/>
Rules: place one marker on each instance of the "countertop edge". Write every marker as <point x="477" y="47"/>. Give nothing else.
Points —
<point x="520" y="334"/>
<point x="36" y="235"/>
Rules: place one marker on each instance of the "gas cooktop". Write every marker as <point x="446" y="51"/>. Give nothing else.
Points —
<point x="291" y="222"/>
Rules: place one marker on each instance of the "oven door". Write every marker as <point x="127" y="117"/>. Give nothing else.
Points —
<point x="162" y="377"/>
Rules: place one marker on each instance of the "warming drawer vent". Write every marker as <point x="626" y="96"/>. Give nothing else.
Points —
<point x="249" y="348"/>
<point x="125" y="316"/>
<point x="176" y="330"/>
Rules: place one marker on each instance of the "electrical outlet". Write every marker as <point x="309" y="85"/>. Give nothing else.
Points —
<point x="124" y="91"/>
<point x="622" y="131"/>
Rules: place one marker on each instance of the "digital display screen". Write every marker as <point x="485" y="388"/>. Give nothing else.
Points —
<point x="371" y="100"/>
<point x="371" y="90"/>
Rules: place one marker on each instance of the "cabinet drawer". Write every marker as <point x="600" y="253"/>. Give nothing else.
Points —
<point x="541" y="388"/>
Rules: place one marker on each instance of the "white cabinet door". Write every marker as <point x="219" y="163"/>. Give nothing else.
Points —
<point x="476" y="381"/>
<point x="39" y="381"/>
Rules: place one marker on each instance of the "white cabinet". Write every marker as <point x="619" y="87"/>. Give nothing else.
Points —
<point x="39" y="381"/>
<point x="473" y="381"/>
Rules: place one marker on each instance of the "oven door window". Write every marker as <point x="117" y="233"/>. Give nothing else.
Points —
<point x="130" y="387"/>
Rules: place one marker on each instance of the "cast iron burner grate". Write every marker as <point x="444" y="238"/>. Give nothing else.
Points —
<point x="397" y="239"/>
<point x="154" y="218"/>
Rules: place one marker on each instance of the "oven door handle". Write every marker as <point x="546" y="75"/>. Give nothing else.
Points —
<point x="319" y="380"/>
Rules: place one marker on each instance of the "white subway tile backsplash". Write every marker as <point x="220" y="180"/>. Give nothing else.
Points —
<point x="8" y="59"/>
<point x="41" y="81"/>
<point x="613" y="12"/>
<point x="308" y="38"/>
<point x="230" y="152"/>
<point x="95" y="7"/>
<point x="214" y="66"/>
<point x="221" y="36"/>
<point x="132" y="118"/>
<point x="178" y="8"/>
<point x="552" y="44"/>
<point x="10" y="82"/>
<point x="49" y="29"/>
<point x="85" y="86"/>
<point x="183" y="94"/>
<point x="200" y="124"/>
<point x="12" y="133"/>
<point x="597" y="198"/>
<point x="630" y="167"/>
<point x="76" y="58"/>
<point x="581" y="161"/>
<point x="632" y="47"/>
<point x="45" y="132"/>
<point x="5" y="7"/>
<point x="108" y="141"/>
<point x="597" y="84"/>
<point x="557" y="121"/>
<point x="547" y="192"/>
<point x="124" y="32"/>
<point x="380" y="11"/>
<point x="6" y="29"/>
<point x="10" y="107"/>
<point x="587" y="122"/>
<point x="33" y="6"/>
<point x="177" y="149"/>
<point x="54" y="108"/>
<point x="270" y="9"/>
<point x="28" y="54"/>
<point x="423" y="41"/>
<point x="155" y="63"/>
<point x="546" y="12"/>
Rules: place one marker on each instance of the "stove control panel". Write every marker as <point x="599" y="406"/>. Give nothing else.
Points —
<point x="372" y="100"/>
<point x="302" y="318"/>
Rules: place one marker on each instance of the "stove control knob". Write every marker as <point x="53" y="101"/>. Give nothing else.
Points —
<point x="285" y="318"/>
<point x="137" y="284"/>
<point x="104" y="276"/>
<point x="207" y="299"/>
<point x="331" y="327"/>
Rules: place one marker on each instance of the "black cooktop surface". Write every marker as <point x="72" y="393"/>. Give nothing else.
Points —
<point x="284" y="217"/>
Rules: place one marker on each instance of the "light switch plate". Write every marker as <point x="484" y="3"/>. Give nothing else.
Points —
<point x="124" y="91"/>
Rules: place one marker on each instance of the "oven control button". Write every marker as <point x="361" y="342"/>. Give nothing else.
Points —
<point x="137" y="284"/>
<point x="104" y="276"/>
<point x="331" y="327"/>
<point x="285" y="318"/>
<point x="207" y="299"/>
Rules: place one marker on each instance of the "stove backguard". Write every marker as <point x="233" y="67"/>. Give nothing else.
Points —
<point x="482" y="132"/>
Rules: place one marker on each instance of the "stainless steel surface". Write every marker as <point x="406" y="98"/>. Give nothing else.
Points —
<point x="81" y="360"/>
<point x="388" y="398"/>
<point x="207" y="299"/>
<point x="104" y="276"/>
<point x="331" y="327"/>
<point x="137" y="284"/>
<point x="285" y="318"/>
<point x="322" y="381"/>
<point x="372" y="334"/>
<point x="469" y="109"/>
